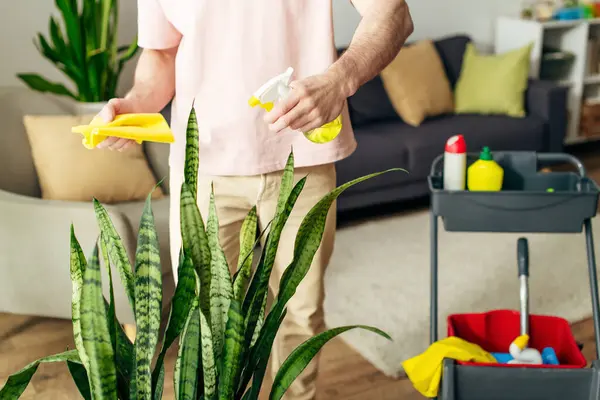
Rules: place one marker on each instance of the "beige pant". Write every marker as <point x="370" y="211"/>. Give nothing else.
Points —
<point x="234" y="197"/>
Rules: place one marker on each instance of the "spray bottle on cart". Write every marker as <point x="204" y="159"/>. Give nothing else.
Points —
<point x="455" y="163"/>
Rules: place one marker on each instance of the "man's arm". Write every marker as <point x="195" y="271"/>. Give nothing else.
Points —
<point x="384" y="27"/>
<point x="154" y="80"/>
<point x="381" y="33"/>
<point x="153" y="88"/>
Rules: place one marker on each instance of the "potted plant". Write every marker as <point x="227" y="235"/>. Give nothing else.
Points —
<point x="225" y="332"/>
<point x="83" y="45"/>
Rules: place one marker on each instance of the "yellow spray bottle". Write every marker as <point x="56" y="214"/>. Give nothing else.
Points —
<point x="276" y="89"/>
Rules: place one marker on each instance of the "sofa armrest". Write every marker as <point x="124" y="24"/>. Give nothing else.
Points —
<point x="548" y="101"/>
<point x="34" y="253"/>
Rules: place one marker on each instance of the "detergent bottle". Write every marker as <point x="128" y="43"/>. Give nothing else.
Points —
<point x="455" y="163"/>
<point x="485" y="174"/>
<point x="276" y="89"/>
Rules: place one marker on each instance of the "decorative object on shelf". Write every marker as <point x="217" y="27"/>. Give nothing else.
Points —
<point x="570" y="10"/>
<point x="556" y="64"/>
<point x="86" y="51"/>
<point x="593" y="53"/>
<point x="544" y="9"/>
<point x="590" y="118"/>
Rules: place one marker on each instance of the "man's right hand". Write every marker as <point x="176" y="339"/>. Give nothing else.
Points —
<point x="113" y="108"/>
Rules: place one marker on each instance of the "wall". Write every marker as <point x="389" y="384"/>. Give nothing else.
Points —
<point x="434" y="18"/>
<point x="21" y="20"/>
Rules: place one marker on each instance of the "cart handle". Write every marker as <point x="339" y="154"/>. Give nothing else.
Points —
<point x="562" y="157"/>
<point x="544" y="157"/>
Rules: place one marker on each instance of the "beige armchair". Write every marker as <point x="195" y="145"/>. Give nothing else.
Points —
<point x="34" y="233"/>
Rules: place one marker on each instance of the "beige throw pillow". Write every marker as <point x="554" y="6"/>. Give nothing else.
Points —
<point x="68" y="171"/>
<point x="417" y="85"/>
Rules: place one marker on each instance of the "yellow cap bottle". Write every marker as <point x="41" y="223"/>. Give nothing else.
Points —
<point x="485" y="174"/>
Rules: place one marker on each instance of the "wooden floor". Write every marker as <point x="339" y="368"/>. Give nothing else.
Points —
<point x="344" y="374"/>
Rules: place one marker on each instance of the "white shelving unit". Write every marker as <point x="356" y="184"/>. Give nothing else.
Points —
<point x="573" y="36"/>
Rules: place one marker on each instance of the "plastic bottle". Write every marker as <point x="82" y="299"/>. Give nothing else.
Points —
<point x="455" y="163"/>
<point x="485" y="174"/>
<point x="276" y="89"/>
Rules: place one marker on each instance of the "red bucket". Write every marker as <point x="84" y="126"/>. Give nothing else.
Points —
<point x="495" y="330"/>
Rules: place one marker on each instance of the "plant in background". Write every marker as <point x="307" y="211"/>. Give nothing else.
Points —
<point x="85" y="48"/>
<point x="225" y="332"/>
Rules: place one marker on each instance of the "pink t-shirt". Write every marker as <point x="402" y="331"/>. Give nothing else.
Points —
<point x="227" y="50"/>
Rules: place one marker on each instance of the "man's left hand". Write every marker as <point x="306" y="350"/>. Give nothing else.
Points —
<point x="312" y="102"/>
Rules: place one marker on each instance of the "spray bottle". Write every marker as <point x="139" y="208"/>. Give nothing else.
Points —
<point x="276" y="89"/>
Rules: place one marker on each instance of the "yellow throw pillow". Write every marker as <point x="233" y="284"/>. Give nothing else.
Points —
<point x="68" y="171"/>
<point x="493" y="84"/>
<point x="417" y="85"/>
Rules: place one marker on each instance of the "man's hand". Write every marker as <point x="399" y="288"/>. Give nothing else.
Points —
<point x="113" y="108"/>
<point x="154" y="86"/>
<point x="312" y="102"/>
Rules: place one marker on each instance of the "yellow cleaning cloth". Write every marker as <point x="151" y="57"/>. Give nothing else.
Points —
<point x="149" y="127"/>
<point x="425" y="370"/>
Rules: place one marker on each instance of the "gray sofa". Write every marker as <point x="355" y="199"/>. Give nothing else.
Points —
<point x="385" y="141"/>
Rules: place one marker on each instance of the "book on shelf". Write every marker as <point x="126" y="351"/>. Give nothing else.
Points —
<point x="593" y="56"/>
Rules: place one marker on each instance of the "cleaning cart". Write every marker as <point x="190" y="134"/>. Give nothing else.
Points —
<point x="530" y="201"/>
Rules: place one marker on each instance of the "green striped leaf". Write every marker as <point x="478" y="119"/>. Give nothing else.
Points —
<point x="258" y="366"/>
<point x="233" y="353"/>
<point x="148" y="301"/>
<point x="80" y="378"/>
<point x="307" y="242"/>
<point x="18" y="382"/>
<point x="247" y="243"/>
<point x="125" y="362"/>
<point x="78" y="265"/>
<point x="111" y="315"/>
<point x="259" y="322"/>
<point x="302" y="355"/>
<point x="160" y="383"/>
<point x="208" y="359"/>
<point x="185" y="293"/>
<point x="188" y="357"/>
<point x="263" y="272"/>
<point x="116" y="250"/>
<point x="191" y="153"/>
<point x="95" y="334"/>
<point x="195" y="244"/>
<point x="221" y="290"/>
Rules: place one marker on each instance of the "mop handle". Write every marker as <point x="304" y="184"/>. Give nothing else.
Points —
<point x="523" y="263"/>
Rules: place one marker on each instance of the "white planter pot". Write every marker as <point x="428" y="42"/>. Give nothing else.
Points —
<point x="80" y="108"/>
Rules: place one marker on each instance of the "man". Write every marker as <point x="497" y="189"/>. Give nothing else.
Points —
<point x="213" y="55"/>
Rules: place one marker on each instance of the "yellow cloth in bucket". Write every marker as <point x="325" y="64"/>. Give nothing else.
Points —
<point x="425" y="370"/>
<point x="143" y="127"/>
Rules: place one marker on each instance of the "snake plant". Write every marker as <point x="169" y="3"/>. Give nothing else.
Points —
<point x="225" y="332"/>
<point x="84" y="47"/>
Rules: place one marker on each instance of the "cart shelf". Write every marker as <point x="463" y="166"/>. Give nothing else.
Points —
<point x="523" y="205"/>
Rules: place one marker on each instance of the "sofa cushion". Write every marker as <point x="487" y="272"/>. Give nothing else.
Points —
<point x="451" y="50"/>
<point x="417" y="85"/>
<point x="493" y="84"/>
<point x="379" y="149"/>
<point x="68" y="171"/>
<point x="371" y="103"/>
<point x="498" y="132"/>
